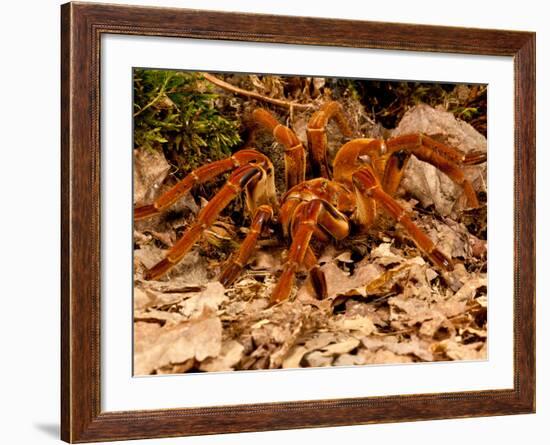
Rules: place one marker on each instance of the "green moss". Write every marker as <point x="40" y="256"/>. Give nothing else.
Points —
<point x="175" y="111"/>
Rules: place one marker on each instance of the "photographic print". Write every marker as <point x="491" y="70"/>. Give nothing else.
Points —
<point x="297" y="202"/>
<point x="296" y="222"/>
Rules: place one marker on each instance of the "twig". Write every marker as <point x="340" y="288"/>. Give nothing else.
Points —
<point x="281" y="103"/>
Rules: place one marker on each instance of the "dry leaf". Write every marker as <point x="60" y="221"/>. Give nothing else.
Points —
<point x="156" y="316"/>
<point x="458" y="351"/>
<point x="156" y="347"/>
<point x="414" y="347"/>
<point x="316" y="359"/>
<point x="384" y="256"/>
<point x="340" y="282"/>
<point x="294" y="357"/>
<point x="340" y="348"/>
<point x="185" y="300"/>
<point x="383" y="356"/>
<point x="209" y="299"/>
<point x="469" y="289"/>
<point x="363" y="325"/>
<point x="320" y="340"/>
<point x="231" y="354"/>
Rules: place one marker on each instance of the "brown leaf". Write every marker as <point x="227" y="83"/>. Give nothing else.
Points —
<point x="458" y="351"/>
<point x="192" y="269"/>
<point x="175" y="296"/>
<point x="384" y="256"/>
<point x="414" y="346"/>
<point x="350" y="360"/>
<point x="431" y="317"/>
<point x="470" y="287"/>
<point x="340" y="282"/>
<point x="209" y="300"/>
<point x="317" y="359"/>
<point x="340" y="348"/>
<point x="320" y="340"/>
<point x="273" y="333"/>
<point x="156" y="316"/>
<point x="268" y="261"/>
<point x="383" y="356"/>
<point x="361" y="325"/>
<point x="156" y="347"/>
<point x="231" y="354"/>
<point x="294" y="357"/>
<point x="450" y="237"/>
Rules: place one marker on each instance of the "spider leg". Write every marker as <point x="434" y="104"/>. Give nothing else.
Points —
<point x="207" y="216"/>
<point x="317" y="136"/>
<point x="441" y="156"/>
<point x="261" y="217"/>
<point x="366" y="184"/>
<point x="474" y="158"/>
<point x="199" y="176"/>
<point x="451" y="153"/>
<point x="351" y="157"/>
<point x="309" y="217"/>
<point x="295" y="153"/>
<point x="316" y="275"/>
<point x="305" y="220"/>
<point x="356" y="153"/>
<point x="393" y="173"/>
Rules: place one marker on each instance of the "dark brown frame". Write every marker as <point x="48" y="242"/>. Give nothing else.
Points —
<point x="82" y="26"/>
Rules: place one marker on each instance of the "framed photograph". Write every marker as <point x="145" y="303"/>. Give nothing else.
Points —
<point x="276" y="222"/>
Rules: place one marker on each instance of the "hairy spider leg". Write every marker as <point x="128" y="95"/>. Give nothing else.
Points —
<point x="207" y="216"/>
<point x="306" y="215"/>
<point x="367" y="185"/>
<point x="393" y="174"/>
<point x="352" y="156"/>
<point x="316" y="275"/>
<point x="441" y="156"/>
<point x="239" y="259"/>
<point x="310" y="217"/>
<point x="317" y="136"/>
<point x="199" y="176"/>
<point x="294" y="151"/>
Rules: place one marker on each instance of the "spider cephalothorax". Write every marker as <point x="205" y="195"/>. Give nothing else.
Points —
<point x="364" y="177"/>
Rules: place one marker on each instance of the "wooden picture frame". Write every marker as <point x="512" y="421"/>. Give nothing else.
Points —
<point x="82" y="26"/>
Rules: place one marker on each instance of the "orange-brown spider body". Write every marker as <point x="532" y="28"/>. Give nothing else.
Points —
<point x="364" y="177"/>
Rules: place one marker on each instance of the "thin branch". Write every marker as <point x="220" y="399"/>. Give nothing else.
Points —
<point x="281" y="103"/>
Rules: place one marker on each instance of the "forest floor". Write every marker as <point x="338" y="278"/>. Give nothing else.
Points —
<point x="386" y="303"/>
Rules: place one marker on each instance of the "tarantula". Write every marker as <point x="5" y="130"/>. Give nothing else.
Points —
<point x="364" y="177"/>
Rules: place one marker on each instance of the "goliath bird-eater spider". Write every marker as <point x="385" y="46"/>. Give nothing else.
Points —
<point x="336" y="201"/>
